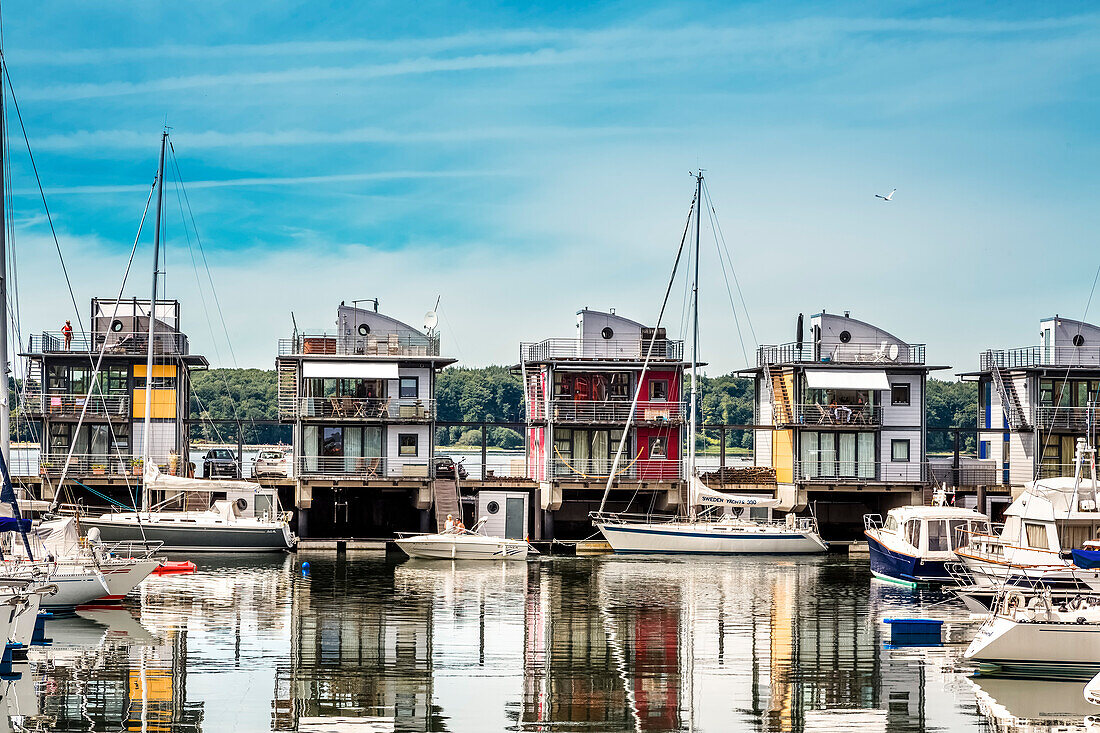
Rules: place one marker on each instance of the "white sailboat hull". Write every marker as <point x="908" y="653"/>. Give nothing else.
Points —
<point x="704" y="538"/>
<point x="463" y="547"/>
<point x="1006" y="641"/>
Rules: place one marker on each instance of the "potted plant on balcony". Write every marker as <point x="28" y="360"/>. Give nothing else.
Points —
<point x="136" y="465"/>
<point x="98" y="469"/>
<point x="44" y="468"/>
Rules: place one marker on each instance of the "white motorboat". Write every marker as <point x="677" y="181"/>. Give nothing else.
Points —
<point x="1038" y="634"/>
<point x="1043" y="526"/>
<point x="916" y="543"/>
<point x="246" y="520"/>
<point x="728" y="524"/>
<point x="463" y="544"/>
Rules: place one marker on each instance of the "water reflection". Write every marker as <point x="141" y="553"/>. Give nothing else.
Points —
<point x="563" y="644"/>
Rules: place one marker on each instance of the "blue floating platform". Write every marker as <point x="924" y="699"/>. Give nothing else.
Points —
<point x="915" y="631"/>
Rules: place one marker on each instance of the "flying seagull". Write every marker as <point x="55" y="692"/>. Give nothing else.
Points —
<point x="887" y="197"/>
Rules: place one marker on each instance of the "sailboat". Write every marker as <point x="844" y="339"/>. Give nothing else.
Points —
<point x="48" y="580"/>
<point x="235" y="523"/>
<point x="708" y="531"/>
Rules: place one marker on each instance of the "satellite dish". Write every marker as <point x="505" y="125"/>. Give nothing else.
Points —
<point x="430" y="319"/>
<point x="892" y="352"/>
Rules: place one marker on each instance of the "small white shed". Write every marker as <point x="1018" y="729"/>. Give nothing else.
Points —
<point x="506" y="513"/>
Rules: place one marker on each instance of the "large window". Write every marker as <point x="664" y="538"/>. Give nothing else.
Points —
<point x="837" y="455"/>
<point x="1036" y="536"/>
<point x="1068" y="392"/>
<point x="585" y="387"/>
<point x="358" y="388"/>
<point x="937" y="536"/>
<point x="658" y="390"/>
<point x="407" y="444"/>
<point x="410" y="387"/>
<point x="588" y="451"/>
<point x="899" y="395"/>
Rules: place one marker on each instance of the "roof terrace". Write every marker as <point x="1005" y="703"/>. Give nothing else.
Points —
<point x="852" y="352"/>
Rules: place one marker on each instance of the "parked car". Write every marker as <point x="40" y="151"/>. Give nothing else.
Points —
<point x="445" y="468"/>
<point x="220" y="462"/>
<point x="271" y="463"/>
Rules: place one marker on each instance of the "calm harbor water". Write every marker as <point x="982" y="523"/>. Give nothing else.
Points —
<point x="562" y="644"/>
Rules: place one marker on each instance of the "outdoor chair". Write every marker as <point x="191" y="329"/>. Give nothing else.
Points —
<point x="337" y="407"/>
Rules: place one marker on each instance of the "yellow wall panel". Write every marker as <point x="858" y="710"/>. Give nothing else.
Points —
<point x="783" y="455"/>
<point x="163" y="404"/>
<point x="159" y="370"/>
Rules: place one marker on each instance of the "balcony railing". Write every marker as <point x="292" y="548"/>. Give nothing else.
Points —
<point x="1031" y="356"/>
<point x="839" y="415"/>
<point x="1058" y="470"/>
<point x="965" y="475"/>
<point x="880" y="352"/>
<point x="117" y="342"/>
<point x="629" y="470"/>
<point x="611" y="349"/>
<point x="369" y="409"/>
<point x="1075" y="419"/>
<point x="861" y="471"/>
<point x="72" y="405"/>
<point x="404" y="343"/>
<point x="362" y="468"/>
<point x="30" y="462"/>
<point x="613" y="412"/>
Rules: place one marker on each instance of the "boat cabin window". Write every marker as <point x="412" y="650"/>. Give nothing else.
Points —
<point x="1036" y="536"/>
<point x="937" y="536"/>
<point x="912" y="532"/>
<point x="958" y="535"/>
<point x="1074" y="536"/>
<point x="760" y="514"/>
<point x="891" y="523"/>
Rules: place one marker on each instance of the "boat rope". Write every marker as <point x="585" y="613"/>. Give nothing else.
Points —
<point x="103" y="496"/>
<point x="585" y="475"/>
<point x="723" y="255"/>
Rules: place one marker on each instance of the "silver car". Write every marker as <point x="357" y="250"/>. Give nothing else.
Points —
<point x="271" y="463"/>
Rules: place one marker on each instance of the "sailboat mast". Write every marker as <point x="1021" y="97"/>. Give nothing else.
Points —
<point x="146" y="435"/>
<point x="5" y="406"/>
<point x="694" y="342"/>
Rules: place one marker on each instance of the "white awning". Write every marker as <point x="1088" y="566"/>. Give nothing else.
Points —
<point x="847" y="379"/>
<point x="350" y="369"/>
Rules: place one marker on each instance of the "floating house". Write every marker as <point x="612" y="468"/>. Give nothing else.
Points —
<point x="578" y="392"/>
<point x="841" y="413"/>
<point x="361" y="400"/>
<point x="58" y="392"/>
<point x="1035" y="401"/>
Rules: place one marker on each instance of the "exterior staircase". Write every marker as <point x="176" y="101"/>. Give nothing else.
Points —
<point x="1010" y="401"/>
<point x="445" y="498"/>
<point x="782" y="414"/>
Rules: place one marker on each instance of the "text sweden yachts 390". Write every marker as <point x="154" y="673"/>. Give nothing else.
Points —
<point x="721" y="535"/>
<point x="464" y="545"/>
<point x="222" y="528"/>
<point x="916" y="543"/>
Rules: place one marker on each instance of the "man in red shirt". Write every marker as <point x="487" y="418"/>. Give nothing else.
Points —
<point x="67" y="332"/>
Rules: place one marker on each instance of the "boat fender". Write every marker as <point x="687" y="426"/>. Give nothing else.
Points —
<point x="1080" y="619"/>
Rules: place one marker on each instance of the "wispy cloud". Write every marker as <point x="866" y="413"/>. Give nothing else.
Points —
<point x="254" y="182"/>
<point x="127" y="139"/>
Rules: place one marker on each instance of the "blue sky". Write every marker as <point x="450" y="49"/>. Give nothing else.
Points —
<point x="523" y="161"/>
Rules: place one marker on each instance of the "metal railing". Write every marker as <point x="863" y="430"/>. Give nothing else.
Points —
<point x="879" y="352"/>
<point x="633" y="349"/>
<point x="79" y="464"/>
<point x="117" y="342"/>
<point x="1076" y="419"/>
<point x="842" y="415"/>
<point x="362" y="467"/>
<point x="859" y="471"/>
<point x="945" y="473"/>
<point x="1059" y="470"/>
<point x="568" y="469"/>
<point x="564" y="409"/>
<point x="366" y="408"/>
<point x="403" y="343"/>
<point x="44" y="403"/>
<point x="1029" y="356"/>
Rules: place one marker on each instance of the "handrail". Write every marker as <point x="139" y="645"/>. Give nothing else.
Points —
<point x="635" y="349"/>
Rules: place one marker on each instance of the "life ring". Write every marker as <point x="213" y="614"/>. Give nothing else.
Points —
<point x="1013" y="600"/>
